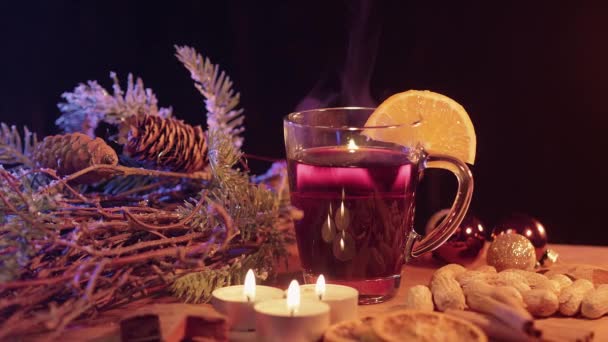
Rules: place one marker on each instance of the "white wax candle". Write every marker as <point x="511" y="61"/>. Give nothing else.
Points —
<point x="236" y="302"/>
<point x="342" y="300"/>
<point x="275" y="322"/>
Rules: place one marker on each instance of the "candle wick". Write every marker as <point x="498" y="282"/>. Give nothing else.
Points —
<point x="320" y="297"/>
<point x="248" y="298"/>
<point x="292" y="312"/>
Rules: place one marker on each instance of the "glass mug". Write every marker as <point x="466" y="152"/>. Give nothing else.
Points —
<point x="357" y="195"/>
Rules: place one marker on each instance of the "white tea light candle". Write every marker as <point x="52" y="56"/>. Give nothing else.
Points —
<point x="342" y="300"/>
<point x="236" y="302"/>
<point x="291" y="319"/>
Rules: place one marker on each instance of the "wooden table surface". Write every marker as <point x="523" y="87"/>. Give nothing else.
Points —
<point x="105" y="327"/>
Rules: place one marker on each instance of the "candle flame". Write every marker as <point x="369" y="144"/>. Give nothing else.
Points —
<point x="249" y="288"/>
<point x="352" y="146"/>
<point x="320" y="287"/>
<point x="293" y="296"/>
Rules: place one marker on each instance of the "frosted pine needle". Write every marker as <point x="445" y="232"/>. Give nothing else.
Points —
<point x="89" y="103"/>
<point x="221" y="100"/>
<point x="15" y="150"/>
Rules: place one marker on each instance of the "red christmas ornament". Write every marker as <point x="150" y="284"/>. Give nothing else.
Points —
<point x="464" y="246"/>
<point x="524" y="225"/>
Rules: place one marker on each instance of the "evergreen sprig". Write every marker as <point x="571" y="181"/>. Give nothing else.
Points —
<point x="221" y="101"/>
<point x="90" y="103"/>
<point x="250" y="205"/>
<point x="197" y="287"/>
<point x="15" y="149"/>
<point x="255" y="211"/>
<point x="21" y="233"/>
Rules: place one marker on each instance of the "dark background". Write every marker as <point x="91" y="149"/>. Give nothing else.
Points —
<point x="532" y="75"/>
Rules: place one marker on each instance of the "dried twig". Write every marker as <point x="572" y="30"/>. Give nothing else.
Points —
<point x="129" y="171"/>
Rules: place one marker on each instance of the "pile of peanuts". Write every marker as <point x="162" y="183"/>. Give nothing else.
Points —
<point x="456" y="288"/>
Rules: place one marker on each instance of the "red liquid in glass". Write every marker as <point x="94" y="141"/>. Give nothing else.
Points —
<point x="358" y="207"/>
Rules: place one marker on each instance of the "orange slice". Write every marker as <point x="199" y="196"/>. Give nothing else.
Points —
<point x="439" y="123"/>
<point x="350" y="331"/>
<point x="419" y="326"/>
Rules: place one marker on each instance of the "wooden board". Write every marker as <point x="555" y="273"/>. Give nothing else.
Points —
<point x="105" y="327"/>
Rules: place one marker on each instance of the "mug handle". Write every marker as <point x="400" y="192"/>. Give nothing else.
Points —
<point x="458" y="210"/>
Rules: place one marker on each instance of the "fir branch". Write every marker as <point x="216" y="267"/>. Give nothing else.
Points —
<point x="220" y="99"/>
<point x="255" y="210"/>
<point x="15" y="150"/>
<point x="196" y="287"/>
<point x="225" y="180"/>
<point x="90" y="103"/>
<point x="250" y="205"/>
<point x="23" y="212"/>
<point x="223" y="156"/>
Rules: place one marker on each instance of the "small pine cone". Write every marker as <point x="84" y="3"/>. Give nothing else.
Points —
<point x="69" y="153"/>
<point x="167" y="144"/>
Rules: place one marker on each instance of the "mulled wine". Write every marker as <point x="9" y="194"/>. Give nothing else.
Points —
<point x="358" y="206"/>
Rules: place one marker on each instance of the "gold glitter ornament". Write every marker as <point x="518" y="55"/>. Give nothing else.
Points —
<point x="511" y="251"/>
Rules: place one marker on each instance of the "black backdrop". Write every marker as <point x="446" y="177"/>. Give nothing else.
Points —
<point x="532" y="75"/>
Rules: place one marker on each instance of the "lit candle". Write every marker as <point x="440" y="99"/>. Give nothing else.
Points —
<point x="342" y="300"/>
<point x="236" y="302"/>
<point x="291" y="319"/>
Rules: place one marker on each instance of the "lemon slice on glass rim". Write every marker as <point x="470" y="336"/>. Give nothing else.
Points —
<point x="436" y="121"/>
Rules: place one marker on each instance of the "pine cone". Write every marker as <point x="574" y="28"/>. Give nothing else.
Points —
<point x="167" y="144"/>
<point x="69" y="153"/>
